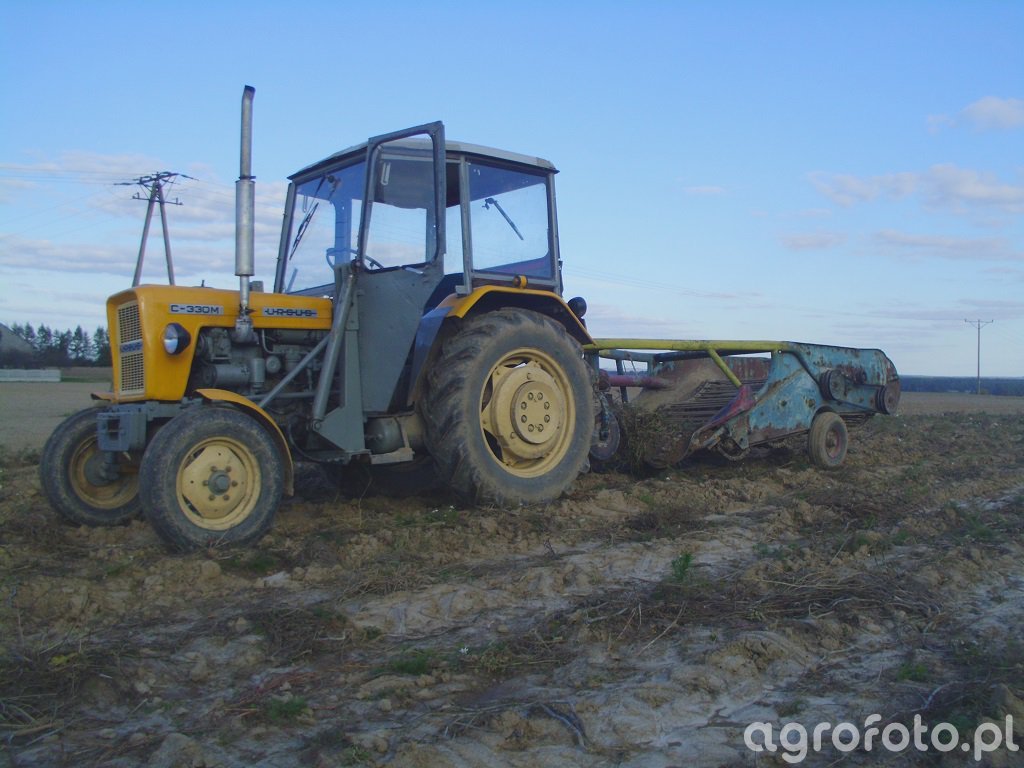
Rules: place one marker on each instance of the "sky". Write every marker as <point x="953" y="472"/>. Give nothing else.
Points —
<point x="845" y="173"/>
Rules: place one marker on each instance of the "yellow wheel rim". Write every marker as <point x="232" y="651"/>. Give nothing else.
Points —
<point x="218" y="483"/>
<point x="527" y="412"/>
<point x="85" y="460"/>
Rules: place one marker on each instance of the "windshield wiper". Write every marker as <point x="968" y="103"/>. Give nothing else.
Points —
<point x="309" y="214"/>
<point x="302" y="228"/>
<point x="491" y="201"/>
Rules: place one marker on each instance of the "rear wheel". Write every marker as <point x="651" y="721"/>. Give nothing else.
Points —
<point x="827" y="441"/>
<point x="211" y="475"/>
<point x="509" y="409"/>
<point x="80" y="482"/>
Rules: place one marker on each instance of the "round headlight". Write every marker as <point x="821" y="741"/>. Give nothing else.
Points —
<point x="176" y="339"/>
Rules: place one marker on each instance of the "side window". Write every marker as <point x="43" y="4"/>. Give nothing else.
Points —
<point x="509" y="220"/>
<point x="402" y="228"/>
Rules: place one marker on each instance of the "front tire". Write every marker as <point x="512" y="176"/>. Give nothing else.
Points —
<point x="211" y="476"/>
<point x="76" y="481"/>
<point x="509" y="409"/>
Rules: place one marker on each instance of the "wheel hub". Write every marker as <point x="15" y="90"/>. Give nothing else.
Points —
<point x="527" y="411"/>
<point x="214" y="482"/>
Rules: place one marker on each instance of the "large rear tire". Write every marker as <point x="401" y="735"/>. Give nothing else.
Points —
<point x="76" y="480"/>
<point x="211" y="476"/>
<point x="509" y="409"/>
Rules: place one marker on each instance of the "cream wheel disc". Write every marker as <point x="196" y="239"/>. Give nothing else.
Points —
<point x="218" y="483"/>
<point x="527" y="412"/>
<point x="86" y="461"/>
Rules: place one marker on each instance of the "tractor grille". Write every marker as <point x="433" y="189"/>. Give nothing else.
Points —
<point x="129" y="350"/>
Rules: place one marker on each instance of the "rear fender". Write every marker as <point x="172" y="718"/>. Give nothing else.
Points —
<point x="225" y="396"/>
<point x="435" y="324"/>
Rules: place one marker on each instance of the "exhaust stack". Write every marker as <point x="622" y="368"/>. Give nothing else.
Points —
<point x="245" y="196"/>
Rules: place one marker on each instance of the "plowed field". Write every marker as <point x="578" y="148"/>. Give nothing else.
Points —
<point x="638" y="622"/>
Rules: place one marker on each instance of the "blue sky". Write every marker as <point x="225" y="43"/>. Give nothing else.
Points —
<point x="847" y="173"/>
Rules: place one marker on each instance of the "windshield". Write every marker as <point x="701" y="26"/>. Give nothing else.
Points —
<point x="326" y="215"/>
<point x="325" y="227"/>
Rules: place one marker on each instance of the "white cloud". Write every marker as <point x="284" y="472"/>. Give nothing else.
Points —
<point x="901" y="244"/>
<point x="813" y="241"/>
<point x="947" y="187"/>
<point x="848" y="190"/>
<point x="989" y="113"/>
<point x="994" y="114"/>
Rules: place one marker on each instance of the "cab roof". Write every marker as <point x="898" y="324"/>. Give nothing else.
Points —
<point x="451" y="147"/>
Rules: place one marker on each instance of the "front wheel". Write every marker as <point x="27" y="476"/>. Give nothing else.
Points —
<point x="84" y="484"/>
<point x="827" y="440"/>
<point x="509" y="409"/>
<point x="212" y="475"/>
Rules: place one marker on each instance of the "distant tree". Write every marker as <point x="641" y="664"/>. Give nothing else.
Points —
<point x="80" y="348"/>
<point x="44" y="339"/>
<point x="29" y="335"/>
<point x="101" y="347"/>
<point x="64" y="341"/>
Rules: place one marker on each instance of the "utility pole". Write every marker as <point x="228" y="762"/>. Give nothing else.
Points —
<point x="979" y="324"/>
<point x="154" y="186"/>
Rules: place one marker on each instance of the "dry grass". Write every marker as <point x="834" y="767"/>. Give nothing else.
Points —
<point x="41" y="684"/>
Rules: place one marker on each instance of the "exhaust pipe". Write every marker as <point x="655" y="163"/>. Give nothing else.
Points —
<point x="245" y="206"/>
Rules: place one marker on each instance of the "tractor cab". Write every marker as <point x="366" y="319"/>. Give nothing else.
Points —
<point x="414" y="210"/>
<point x="403" y="234"/>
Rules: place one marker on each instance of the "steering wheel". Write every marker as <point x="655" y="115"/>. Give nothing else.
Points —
<point x="332" y="257"/>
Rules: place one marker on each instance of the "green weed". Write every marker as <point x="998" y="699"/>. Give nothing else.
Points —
<point x="681" y="567"/>
<point x="280" y="711"/>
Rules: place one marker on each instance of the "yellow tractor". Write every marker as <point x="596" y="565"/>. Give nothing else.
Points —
<point x="416" y="333"/>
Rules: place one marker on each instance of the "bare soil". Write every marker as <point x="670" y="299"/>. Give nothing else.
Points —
<point x="638" y="622"/>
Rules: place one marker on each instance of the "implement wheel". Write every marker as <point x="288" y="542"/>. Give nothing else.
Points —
<point x="827" y="440"/>
<point x="212" y="475"/>
<point x="509" y="409"/>
<point x="78" y="480"/>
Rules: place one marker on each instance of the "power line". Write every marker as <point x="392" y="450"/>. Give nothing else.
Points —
<point x="979" y="324"/>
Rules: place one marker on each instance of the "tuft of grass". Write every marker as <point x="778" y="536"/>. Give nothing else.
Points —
<point x="792" y="708"/>
<point x="254" y="564"/>
<point x="915" y="672"/>
<point x="354" y="755"/>
<point x="284" y="711"/>
<point x="415" y="662"/>
<point x="11" y="458"/>
<point x="681" y="567"/>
